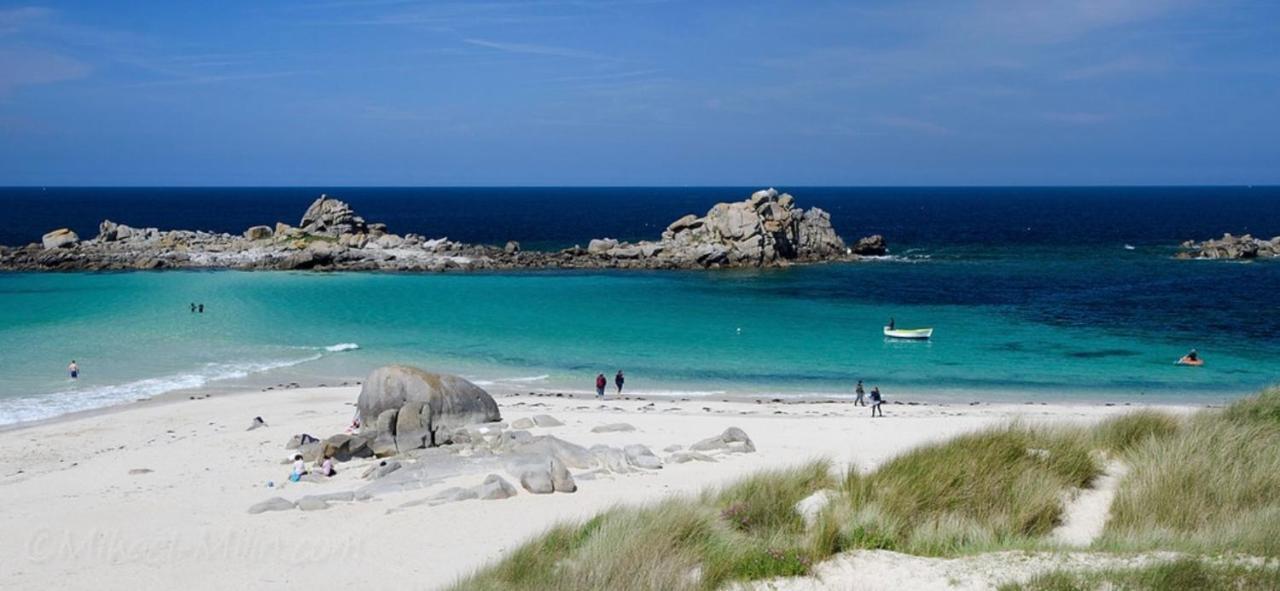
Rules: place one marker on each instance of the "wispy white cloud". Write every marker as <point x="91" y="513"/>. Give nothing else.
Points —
<point x="535" y="49"/>
<point x="203" y="79"/>
<point x="913" y="124"/>
<point x="607" y="76"/>
<point x="30" y="67"/>
<point x="1077" y="118"/>
<point x="1115" y="67"/>
<point x="14" y="20"/>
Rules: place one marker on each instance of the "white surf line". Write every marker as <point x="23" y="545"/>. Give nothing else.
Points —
<point x="1086" y="515"/>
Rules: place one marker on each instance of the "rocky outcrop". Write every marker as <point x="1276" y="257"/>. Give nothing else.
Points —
<point x="871" y="246"/>
<point x="403" y="408"/>
<point x="60" y="238"/>
<point x="765" y="230"/>
<point x="332" y="217"/>
<point x="1232" y="247"/>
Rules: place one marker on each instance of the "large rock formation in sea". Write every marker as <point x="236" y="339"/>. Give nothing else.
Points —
<point x="1232" y="247"/>
<point x="765" y="230"/>
<point x="331" y="217"/>
<point x="405" y="408"/>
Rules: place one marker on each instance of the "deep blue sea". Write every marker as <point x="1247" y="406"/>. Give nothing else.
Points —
<point x="1032" y="292"/>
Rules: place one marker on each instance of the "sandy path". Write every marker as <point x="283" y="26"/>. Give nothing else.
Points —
<point x="1085" y="515"/>
<point x="75" y="517"/>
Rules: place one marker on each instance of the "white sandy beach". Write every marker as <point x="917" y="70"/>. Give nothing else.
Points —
<point x="77" y="512"/>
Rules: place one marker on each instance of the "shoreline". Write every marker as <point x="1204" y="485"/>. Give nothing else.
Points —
<point x="917" y="399"/>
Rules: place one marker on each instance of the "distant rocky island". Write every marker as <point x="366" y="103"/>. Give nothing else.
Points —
<point x="764" y="230"/>
<point x="1232" y="247"/>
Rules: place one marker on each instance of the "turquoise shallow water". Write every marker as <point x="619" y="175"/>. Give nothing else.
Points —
<point x="1065" y="327"/>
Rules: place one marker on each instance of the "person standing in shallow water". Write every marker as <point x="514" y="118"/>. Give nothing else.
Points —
<point x="618" y="380"/>
<point x="73" y="370"/>
<point x="859" y="395"/>
<point x="202" y="308"/>
<point x="600" y="384"/>
<point x="193" y="307"/>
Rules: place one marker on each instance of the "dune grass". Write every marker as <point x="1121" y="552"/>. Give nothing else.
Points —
<point x="996" y="488"/>
<point x="1180" y="575"/>
<point x="745" y="531"/>
<point x="1212" y="487"/>
<point x="1208" y="484"/>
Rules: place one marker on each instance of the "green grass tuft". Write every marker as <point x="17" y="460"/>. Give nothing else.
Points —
<point x="1120" y="434"/>
<point x="1263" y="409"/>
<point x="994" y="487"/>
<point x="1214" y="487"/>
<point x="745" y="531"/>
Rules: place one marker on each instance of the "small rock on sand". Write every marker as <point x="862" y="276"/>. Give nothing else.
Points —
<point x="733" y="440"/>
<point x="380" y="470"/>
<point x="641" y="457"/>
<point x="522" y="423"/>
<point x="495" y="487"/>
<point x="312" y="503"/>
<point x="613" y="428"/>
<point x="809" y="507"/>
<point x="682" y="457"/>
<point x="300" y="440"/>
<point x="546" y="421"/>
<point x="272" y="504"/>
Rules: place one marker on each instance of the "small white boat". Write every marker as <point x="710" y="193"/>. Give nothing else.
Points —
<point x="908" y="333"/>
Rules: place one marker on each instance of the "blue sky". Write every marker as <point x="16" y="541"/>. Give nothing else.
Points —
<point x="628" y="92"/>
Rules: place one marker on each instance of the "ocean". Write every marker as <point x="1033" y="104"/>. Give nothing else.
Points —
<point x="1035" y="294"/>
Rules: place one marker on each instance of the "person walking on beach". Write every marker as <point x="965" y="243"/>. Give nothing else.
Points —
<point x="859" y="394"/>
<point x="876" y="401"/>
<point x="618" y="381"/>
<point x="73" y="370"/>
<point x="600" y="384"/>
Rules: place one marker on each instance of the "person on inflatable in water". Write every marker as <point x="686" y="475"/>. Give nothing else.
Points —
<point x="1192" y="358"/>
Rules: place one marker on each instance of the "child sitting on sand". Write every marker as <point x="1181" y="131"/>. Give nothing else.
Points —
<point x="299" y="469"/>
<point x="326" y="468"/>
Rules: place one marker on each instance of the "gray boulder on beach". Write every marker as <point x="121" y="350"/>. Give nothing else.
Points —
<point x="409" y="408"/>
<point x="682" y="457"/>
<point x="641" y="457"/>
<point x="732" y="440"/>
<point x="613" y="428"/>
<point x="272" y="504"/>
<point x="522" y="423"/>
<point x="494" y="488"/>
<point x="546" y="421"/>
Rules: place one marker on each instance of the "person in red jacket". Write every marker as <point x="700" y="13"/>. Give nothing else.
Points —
<point x="601" y="382"/>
